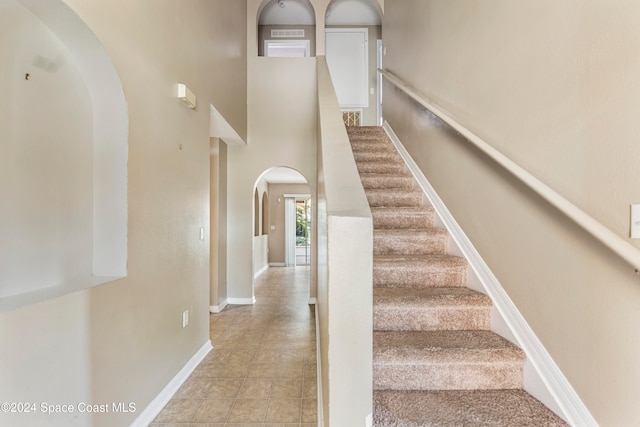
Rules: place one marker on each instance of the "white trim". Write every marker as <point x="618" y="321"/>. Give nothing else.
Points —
<point x="241" y="301"/>
<point x="156" y="405"/>
<point x="319" y="370"/>
<point x="262" y="270"/>
<point x="298" y="197"/>
<point x="218" y="308"/>
<point x="572" y="407"/>
<point x="305" y="44"/>
<point x="364" y="31"/>
<point x="312" y="301"/>
<point x="276" y="264"/>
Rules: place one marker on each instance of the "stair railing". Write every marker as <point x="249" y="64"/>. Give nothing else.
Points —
<point x="603" y="234"/>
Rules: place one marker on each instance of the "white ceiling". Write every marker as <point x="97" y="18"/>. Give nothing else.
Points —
<point x="300" y="12"/>
<point x="281" y="175"/>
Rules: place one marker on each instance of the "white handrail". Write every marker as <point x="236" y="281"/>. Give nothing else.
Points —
<point x="607" y="237"/>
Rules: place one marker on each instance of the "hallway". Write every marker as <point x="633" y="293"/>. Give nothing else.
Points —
<point x="262" y="370"/>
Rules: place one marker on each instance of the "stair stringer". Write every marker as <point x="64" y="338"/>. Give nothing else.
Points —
<point x="543" y="379"/>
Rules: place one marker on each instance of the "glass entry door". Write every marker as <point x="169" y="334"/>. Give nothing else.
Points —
<point x="303" y="232"/>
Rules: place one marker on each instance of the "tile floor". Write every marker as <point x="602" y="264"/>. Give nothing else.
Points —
<point x="262" y="369"/>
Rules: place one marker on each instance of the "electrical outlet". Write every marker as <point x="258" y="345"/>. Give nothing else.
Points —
<point x="201" y="233"/>
<point x="185" y="318"/>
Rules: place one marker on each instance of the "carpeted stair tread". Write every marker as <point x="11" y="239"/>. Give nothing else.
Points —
<point x="445" y="360"/>
<point x="442" y="347"/>
<point x="410" y="241"/>
<point x="402" y="217"/>
<point x="391" y="167"/>
<point x="461" y="408"/>
<point x="389" y="197"/>
<point x="386" y="181"/>
<point x="365" y="132"/>
<point x="430" y="297"/>
<point x="362" y="145"/>
<point x="435" y="360"/>
<point x="419" y="271"/>
<point x="375" y="156"/>
<point x="406" y="309"/>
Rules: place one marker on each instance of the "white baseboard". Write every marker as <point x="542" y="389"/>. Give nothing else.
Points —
<point x="276" y="264"/>
<point x="241" y="301"/>
<point x="312" y="301"/>
<point x="153" y="409"/>
<point x="558" y="387"/>
<point x="218" y="308"/>
<point x="262" y="270"/>
<point x="319" y="370"/>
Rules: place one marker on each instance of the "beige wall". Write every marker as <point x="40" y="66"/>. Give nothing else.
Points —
<point x="276" y="215"/>
<point x="124" y="341"/>
<point x="281" y="132"/>
<point x="554" y="86"/>
<point x="218" y="238"/>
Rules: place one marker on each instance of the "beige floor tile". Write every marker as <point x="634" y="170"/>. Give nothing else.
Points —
<point x="213" y="411"/>
<point x="284" y="411"/>
<point x="248" y="411"/>
<point x="310" y="388"/>
<point x="286" y="388"/>
<point x="310" y="371"/>
<point x="309" y="411"/>
<point x="255" y="388"/>
<point x="290" y="370"/>
<point x="178" y="411"/>
<point x="258" y="353"/>
<point x="263" y="370"/>
<point x="224" y="388"/>
<point x="193" y="388"/>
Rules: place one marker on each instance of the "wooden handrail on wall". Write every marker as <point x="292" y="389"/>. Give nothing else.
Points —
<point x="603" y="234"/>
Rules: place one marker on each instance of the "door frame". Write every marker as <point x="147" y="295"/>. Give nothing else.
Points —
<point x="290" y="229"/>
<point x="364" y="31"/>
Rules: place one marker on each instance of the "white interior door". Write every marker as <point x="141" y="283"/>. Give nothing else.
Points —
<point x="347" y="58"/>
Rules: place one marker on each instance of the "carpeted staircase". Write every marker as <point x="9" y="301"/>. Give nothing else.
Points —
<point x="435" y="360"/>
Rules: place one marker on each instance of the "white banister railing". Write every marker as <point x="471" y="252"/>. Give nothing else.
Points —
<point x="607" y="237"/>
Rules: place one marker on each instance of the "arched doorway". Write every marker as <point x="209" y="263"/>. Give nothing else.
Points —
<point x="284" y="239"/>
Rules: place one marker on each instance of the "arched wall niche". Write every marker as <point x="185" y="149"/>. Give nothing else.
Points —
<point x="353" y="12"/>
<point x="275" y="23"/>
<point x="67" y="142"/>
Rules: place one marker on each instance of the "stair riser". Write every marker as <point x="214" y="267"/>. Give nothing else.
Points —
<point x="430" y="319"/>
<point x="392" y="198"/>
<point x="418" y="276"/>
<point x="394" y="220"/>
<point x="415" y="244"/>
<point x="454" y="376"/>
<point x="380" y="167"/>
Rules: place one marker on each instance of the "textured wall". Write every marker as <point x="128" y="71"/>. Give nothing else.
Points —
<point x="124" y="341"/>
<point x="553" y="86"/>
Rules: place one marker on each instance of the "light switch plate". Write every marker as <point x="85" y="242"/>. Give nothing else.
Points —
<point x="635" y="221"/>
